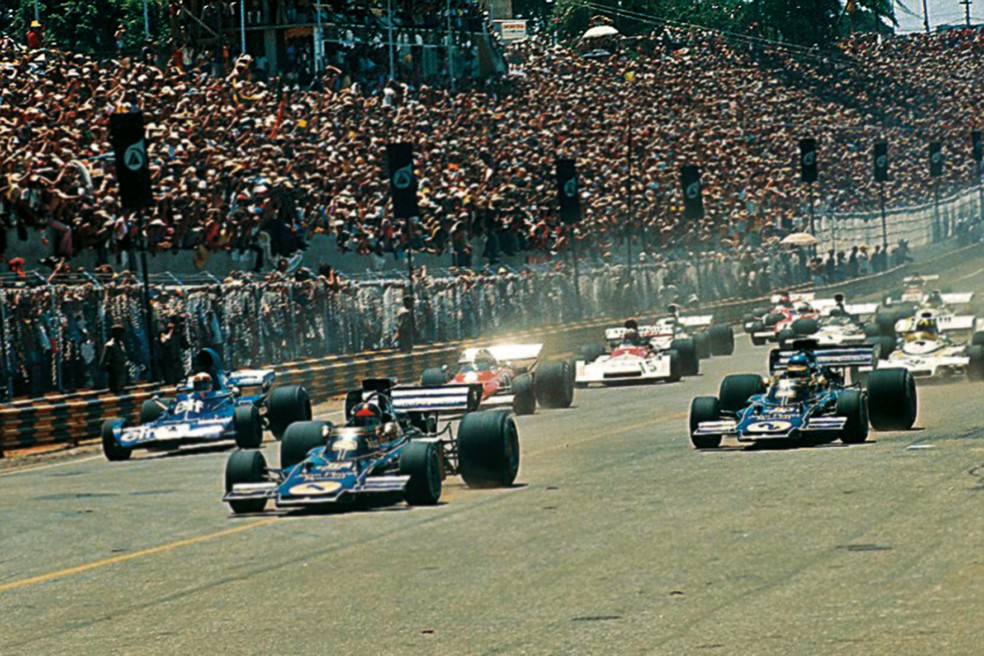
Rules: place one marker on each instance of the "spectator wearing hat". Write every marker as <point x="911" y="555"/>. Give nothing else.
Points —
<point x="173" y="344"/>
<point x="114" y="360"/>
<point x="35" y="37"/>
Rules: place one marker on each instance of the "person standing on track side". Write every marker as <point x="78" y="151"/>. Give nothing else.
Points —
<point x="114" y="361"/>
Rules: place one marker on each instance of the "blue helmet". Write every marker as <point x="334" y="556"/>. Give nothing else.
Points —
<point x="799" y="365"/>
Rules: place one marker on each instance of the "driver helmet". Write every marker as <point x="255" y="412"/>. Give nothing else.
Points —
<point x="798" y="366"/>
<point x="926" y="325"/>
<point x="631" y="336"/>
<point x="366" y="415"/>
<point x="935" y="299"/>
<point x="484" y="360"/>
<point x="200" y="382"/>
<point x="803" y="307"/>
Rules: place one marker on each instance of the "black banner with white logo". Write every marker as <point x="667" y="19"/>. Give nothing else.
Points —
<point x="808" y="160"/>
<point x="126" y="134"/>
<point x="881" y="161"/>
<point x="935" y="159"/>
<point x="403" y="182"/>
<point x="977" y="145"/>
<point x="568" y="191"/>
<point x="693" y="199"/>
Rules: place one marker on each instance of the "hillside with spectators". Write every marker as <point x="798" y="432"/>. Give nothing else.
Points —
<point x="254" y="167"/>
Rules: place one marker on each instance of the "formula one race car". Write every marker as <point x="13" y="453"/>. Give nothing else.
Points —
<point x="211" y="406"/>
<point x="936" y="344"/>
<point x="389" y="449"/>
<point x="709" y="338"/>
<point x="776" y="325"/>
<point x="631" y="357"/>
<point x="510" y="374"/>
<point x="915" y="295"/>
<point x="807" y="398"/>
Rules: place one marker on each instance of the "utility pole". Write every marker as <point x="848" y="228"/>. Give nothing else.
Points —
<point x="966" y="4"/>
<point x="926" y="15"/>
<point x="631" y="203"/>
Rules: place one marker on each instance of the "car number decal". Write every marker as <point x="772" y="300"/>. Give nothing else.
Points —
<point x="311" y="489"/>
<point x="769" y="427"/>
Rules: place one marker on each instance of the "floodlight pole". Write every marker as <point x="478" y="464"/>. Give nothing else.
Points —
<point x="631" y="200"/>
<point x="148" y="319"/>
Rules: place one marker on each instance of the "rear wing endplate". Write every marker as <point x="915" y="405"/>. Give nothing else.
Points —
<point x="835" y="357"/>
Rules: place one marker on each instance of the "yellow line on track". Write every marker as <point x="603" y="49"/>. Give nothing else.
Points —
<point x="105" y="562"/>
<point x="27" y="470"/>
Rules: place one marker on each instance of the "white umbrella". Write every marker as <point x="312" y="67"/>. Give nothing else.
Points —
<point x="598" y="31"/>
<point x="800" y="239"/>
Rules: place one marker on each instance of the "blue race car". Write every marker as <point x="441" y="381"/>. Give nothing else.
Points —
<point x="806" y="398"/>
<point x="211" y="406"/>
<point x="389" y="449"/>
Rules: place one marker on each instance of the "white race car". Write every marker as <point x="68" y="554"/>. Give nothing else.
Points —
<point x="631" y="358"/>
<point x="936" y="344"/>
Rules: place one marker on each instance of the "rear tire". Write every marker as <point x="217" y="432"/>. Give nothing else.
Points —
<point x="883" y="344"/>
<point x="422" y="462"/>
<point x="113" y="451"/>
<point x="248" y="426"/>
<point x="736" y="389"/>
<point x="300" y="438"/>
<point x="977" y="339"/>
<point x="704" y="408"/>
<point x="245" y="467"/>
<point x="805" y="327"/>
<point x="851" y="405"/>
<point x="488" y="449"/>
<point x="674" y="366"/>
<point x="786" y="337"/>
<point x="687" y="350"/>
<point x="286" y="405"/>
<point x="975" y="368"/>
<point x="886" y="323"/>
<point x="892" y="400"/>
<point x="722" y="340"/>
<point x="434" y="377"/>
<point x="553" y="383"/>
<point x="591" y="352"/>
<point x="524" y="396"/>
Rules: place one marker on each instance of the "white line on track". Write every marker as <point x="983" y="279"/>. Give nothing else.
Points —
<point x="969" y="275"/>
<point x="26" y="470"/>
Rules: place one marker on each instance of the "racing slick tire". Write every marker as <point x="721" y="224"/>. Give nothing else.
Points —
<point x="113" y="451"/>
<point x="248" y="425"/>
<point x="871" y="330"/>
<point x="760" y="312"/>
<point x="151" y="410"/>
<point x="851" y="405"/>
<point x="422" y="462"/>
<point x="786" y="337"/>
<point x="674" y="366"/>
<point x="747" y="320"/>
<point x="884" y="345"/>
<point x="285" y="406"/>
<point x="524" y="395"/>
<point x="702" y="344"/>
<point x="978" y="338"/>
<point x="805" y="327"/>
<point x="245" y="467"/>
<point x="553" y="383"/>
<point x="299" y="438"/>
<point x="975" y="366"/>
<point x="757" y="327"/>
<point x="886" y="323"/>
<point x="591" y="352"/>
<point x="892" y="401"/>
<point x="488" y="449"/>
<point x="352" y="399"/>
<point x="704" y="408"/>
<point x="736" y="389"/>
<point x="434" y="377"/>
<point x="722" y="339"/>
<point x="773" y="318"/>
<point x="687" y="350"/>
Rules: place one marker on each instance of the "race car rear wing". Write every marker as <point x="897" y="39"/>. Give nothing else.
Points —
<point x="447" y="398"/>
<point x="645" y="332"/>
<point x="826" y="305"/>
<point x="835" y="357"/>
<point x="799" y="297"/>
<point x="506" y="353"/>
<point x="697" y="321"/>
<point x="944" y="322"/>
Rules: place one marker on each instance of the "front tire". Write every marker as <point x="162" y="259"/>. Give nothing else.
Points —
<point x="851" y="405"/>
<point x="488" y="449"/>
<point x="524" y="396"/>
<point x="702" y="344"/>
<point x="422" y="462"/>
<point x="300" y="438"/>
<point x="722" y="340"/>
<point x="248" y="425"/>
<point x="892" y="401"/>
<point x="975" y="367"/>
<point x="737" y="389"/>
<point x="111" y="449"/>
<point x="285" y="406"/>
<point x="687" y="350"/>
<point x="245" y="467"/>
<point x="704" y="408"/>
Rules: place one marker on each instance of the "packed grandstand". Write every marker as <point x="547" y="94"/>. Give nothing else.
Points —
<point x="260" y="169"/>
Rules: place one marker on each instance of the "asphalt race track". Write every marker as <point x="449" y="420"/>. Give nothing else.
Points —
<point x="620" y="539"/>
